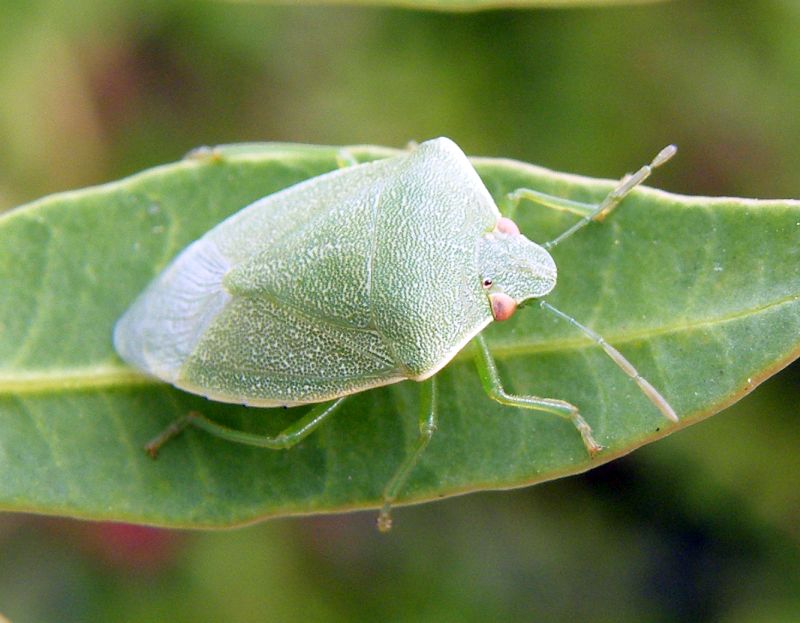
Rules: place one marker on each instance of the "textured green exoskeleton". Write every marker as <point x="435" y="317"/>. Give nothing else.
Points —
<point x="362" y="277"/>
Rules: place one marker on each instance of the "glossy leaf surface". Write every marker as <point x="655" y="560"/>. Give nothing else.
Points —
<point x="702" y="295"/>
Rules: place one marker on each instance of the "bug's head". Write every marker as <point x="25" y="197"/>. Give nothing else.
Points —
<point x="513" y="269"/>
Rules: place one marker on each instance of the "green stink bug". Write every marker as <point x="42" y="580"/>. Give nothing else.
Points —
<point x="369" y="275"/>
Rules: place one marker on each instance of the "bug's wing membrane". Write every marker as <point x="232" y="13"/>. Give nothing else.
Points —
<point x="163" y="326"/>
<point x="262" y="353"/>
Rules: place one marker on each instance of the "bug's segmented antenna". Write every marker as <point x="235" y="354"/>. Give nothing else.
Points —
<point x="612" y="200"/>
<point x="627" y="367"/>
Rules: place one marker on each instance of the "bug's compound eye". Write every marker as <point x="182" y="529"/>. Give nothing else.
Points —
<point x="503" y="306"/>
<point x="487" y="283"/>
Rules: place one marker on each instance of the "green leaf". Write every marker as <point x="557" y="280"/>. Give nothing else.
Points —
<point x="463" y="5"/>
<point x="702" y="295"/>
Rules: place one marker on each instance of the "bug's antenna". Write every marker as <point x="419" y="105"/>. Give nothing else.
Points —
<point x="627" y="367"/>
<point x="612" y="200"/>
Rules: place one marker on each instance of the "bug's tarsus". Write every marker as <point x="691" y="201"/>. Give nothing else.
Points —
<point x="617" y="357"/>
<point x="153" y="446"/>
<point x="615" y="197"/>
<point x="204" y="153"/>
<point x="427" y="426"/>
<point x="492" y="385"/>
<point x="585" y="430"/>
<point x="663" y="156"/>
<point x="631" y="181"/>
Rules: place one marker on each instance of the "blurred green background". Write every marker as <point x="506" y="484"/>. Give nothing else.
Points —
<point x="701" y="526"/>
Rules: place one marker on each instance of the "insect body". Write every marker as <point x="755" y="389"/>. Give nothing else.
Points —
<point x="362" y="277"/>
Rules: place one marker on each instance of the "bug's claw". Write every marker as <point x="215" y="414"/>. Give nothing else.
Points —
<point x="594" y="448"/>
<point x="585" y="430"/>
<point x="384" y="520"/>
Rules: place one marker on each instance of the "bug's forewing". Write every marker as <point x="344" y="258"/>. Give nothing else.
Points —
<point x="264" y="353"/>
<point x="358" y="278"/>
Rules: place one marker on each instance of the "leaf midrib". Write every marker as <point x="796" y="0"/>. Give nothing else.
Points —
<point x="118" y="375"/>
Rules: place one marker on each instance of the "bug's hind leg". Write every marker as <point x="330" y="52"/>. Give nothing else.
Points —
<point x="490" y="378"/>
<point x="589" y="211"/>
<point x="427" y="426"/>
<point x="287" y="438"/>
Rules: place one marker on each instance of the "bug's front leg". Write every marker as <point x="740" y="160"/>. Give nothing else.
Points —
<point x="589" y="211"/>
<point x="513" y="199"/>
<point x="490" y="378"/>
<point x="290" y="436"/>
<point x="427" y="426"/>
<point x="345" y="158"/>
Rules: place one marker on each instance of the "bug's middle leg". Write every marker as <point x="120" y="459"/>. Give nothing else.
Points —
<point x="427" y="426"/>
<point x="290" y="436"/>
<point x="490" y="378"/>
